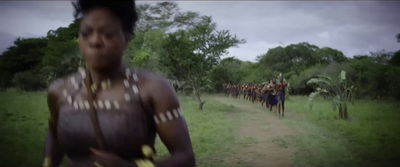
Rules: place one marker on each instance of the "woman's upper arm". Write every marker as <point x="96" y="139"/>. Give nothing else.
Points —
<point x="53" y="154"/>
<point x="53" y="100"/>
<point x="168" y="117"/>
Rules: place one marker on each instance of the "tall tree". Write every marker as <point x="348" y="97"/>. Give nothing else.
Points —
<point x="395" y="60"/>
<point x="166" y="16"/>
<point x="62" y="53"/>
<point x="145" y="49"/>
<point x="188" y="56"/>
<point x="64" y="33"/>
<point x="25" y="55"/>
<point x="292" y="58"/>
<point x="328" y="55"/>
<point x="182" y="64"/>
<point x="250" y="73"/>
<point x="227" y="71"/>
<point x="155" y="21"/>
<point x="381" y="57"/>
<point x="211" y="43"/>
<point x="61" y="58"/>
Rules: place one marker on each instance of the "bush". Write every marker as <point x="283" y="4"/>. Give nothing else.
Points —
<point x="393" y="81"/>
<point x="28" y="81"/>
<point x="5" y="78"/>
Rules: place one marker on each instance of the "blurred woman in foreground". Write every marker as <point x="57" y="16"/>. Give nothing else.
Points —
<point x="107" y="114"/>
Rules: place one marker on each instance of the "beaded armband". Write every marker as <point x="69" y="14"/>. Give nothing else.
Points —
<point x="169" y="115"/>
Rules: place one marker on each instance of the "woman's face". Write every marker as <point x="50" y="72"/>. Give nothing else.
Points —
<point x="101" y="39"/>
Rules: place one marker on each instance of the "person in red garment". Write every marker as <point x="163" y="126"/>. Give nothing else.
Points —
<point x="281" y="93"/>
<point x="108" y="115"/>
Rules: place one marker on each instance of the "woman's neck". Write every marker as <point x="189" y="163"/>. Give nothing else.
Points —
<point x="105" y="74"/>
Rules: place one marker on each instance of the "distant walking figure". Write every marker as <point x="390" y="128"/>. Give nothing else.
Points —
<point x="281" y="96"/>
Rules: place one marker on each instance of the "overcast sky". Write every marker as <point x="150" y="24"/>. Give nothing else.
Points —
<point x="352" y="27"/>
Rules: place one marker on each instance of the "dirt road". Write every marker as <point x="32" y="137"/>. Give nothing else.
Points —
<point x="265" y="130"/>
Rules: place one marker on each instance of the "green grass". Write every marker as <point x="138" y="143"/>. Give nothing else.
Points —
<point x="23" y="123"/>
<point x="369" y="138"/>
<point x="210" y="131"/>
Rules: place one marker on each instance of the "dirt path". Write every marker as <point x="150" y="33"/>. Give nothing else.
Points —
<point x="268" y="131"/>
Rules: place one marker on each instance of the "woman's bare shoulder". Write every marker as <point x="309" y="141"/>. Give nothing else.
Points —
<point x="153" y="81"/>
<point x="156" y="89"/>
<point x="58" y="85"/>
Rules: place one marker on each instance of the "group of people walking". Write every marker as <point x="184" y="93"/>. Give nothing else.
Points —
<point x="271" y="93"/>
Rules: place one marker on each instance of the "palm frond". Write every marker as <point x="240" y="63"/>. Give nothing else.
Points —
<point x="318" y="81"/>
<point x="343" y="76"/>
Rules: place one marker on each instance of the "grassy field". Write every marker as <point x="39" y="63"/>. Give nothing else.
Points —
<point x="369" y="138"/>
<point x="23" y="123"/>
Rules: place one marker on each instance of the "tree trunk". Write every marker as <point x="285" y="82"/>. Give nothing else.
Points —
<point x="340" y="111"/>
<point x="201" y="103"/>
<point x="346" y="114"/>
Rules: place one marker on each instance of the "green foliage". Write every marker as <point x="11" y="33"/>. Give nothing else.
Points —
<point x="144" y="49"/>
<point x="328" y="55"/>
<point x="189" y="56"/>
<point x="298" y="82"/>
<point x="155" y="22"/>
<point x="40" y="58"/>
<point x="179" y="57"/>
<point x="381" y="57"/>
<point x="5" y="79"/>
<point x="373" y="79"/>
<point x="28" y="82"/>
<point x="219" y="76"/>
<point x="249" y="73"/>
<point x="165" y="16"/>
<point x="61" y="58"/>
<point x="210" y="43"/>
<point x="294" y="57"/>
<point x="26" y="54"/>
<point x="64" y="33"/>
<point x="393" y="81"/>
<point x="369" y="73"/>
<point x="295" y="61"/>
<point x="182" y="64"/>
<point x="341" y="90"/>
<point x="227" y="71"/>
<point x="395" y="60"/>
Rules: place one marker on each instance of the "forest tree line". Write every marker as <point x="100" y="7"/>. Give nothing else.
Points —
<point x="187" y="48"/>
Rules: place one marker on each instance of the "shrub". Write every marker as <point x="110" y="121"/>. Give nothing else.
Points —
<point x="28" y="81"/>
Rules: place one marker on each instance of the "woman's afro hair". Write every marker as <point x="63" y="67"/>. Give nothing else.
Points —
<point x="124" y="10"/>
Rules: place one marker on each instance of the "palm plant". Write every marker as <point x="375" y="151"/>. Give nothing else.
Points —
<point x="341" y="91"/>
